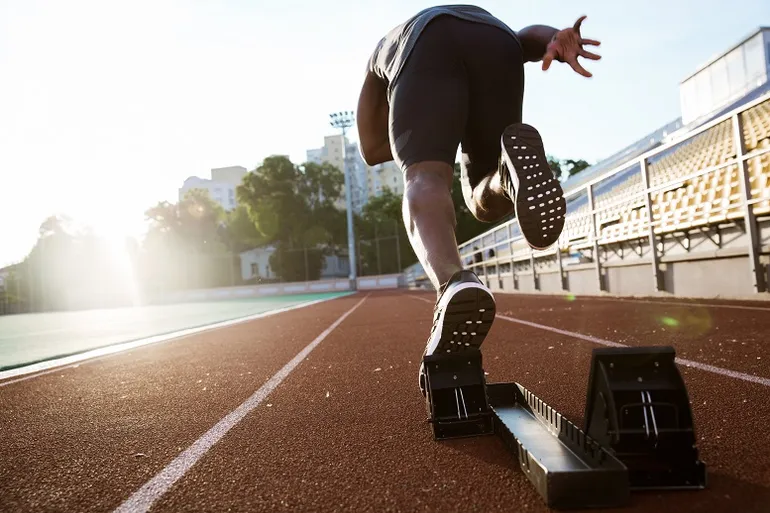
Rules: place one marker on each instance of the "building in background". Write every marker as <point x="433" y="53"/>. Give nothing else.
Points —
<point x="221" y="187"/>
<point x="255" y="265"/>
<point x="382" y="176"/>
<point x="331" y="153"/>
<point x="232" y="175"/>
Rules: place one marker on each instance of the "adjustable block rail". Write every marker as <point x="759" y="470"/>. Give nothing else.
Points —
<point x="638" y="431"/>
<point x="568" y="469"/>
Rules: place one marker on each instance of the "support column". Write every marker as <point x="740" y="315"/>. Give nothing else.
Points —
<point x="655" y="258"/>
<point x="594" y="236"/>
<point x="750" y="221"/>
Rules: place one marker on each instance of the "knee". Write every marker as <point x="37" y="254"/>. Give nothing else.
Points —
<point x="428" y="184"/>
<point x="427" y="192"/>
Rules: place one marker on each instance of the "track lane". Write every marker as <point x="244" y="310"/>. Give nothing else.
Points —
<point x="363" y="447"/>
<point x="730" y="415"/>
<point x="729" y="338"/>
<point x="347" y="431"/>
<point x="85" y="438"/>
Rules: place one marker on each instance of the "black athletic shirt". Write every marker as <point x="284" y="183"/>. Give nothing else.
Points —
<point x="393" y="50"/>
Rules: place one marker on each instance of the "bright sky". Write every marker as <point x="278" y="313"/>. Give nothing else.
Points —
<point x="106" y="107"/>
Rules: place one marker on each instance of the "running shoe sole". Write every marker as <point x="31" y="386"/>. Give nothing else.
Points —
<point x="466" y="317"/>
<point x="539" y="199"/>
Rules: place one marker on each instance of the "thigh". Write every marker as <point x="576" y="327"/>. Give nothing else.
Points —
<point x="429" y="101"/>
<point x="496" y="91"/>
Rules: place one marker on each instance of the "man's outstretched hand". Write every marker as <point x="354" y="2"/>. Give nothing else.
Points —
<point x="567" y="45"/>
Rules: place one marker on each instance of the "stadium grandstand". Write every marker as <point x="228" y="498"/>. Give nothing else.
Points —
<point x="688" y="201"/>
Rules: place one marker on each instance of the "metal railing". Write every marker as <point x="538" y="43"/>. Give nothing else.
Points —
<point x="507" y="235"/>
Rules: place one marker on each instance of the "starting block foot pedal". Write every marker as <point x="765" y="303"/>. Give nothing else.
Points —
<point x="568" y="469"/>
<point x="457" y="395"/>
<point x="638" y="408"/>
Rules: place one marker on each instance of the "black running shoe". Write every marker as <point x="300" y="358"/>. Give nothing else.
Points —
<point x="462" y="317"/>
<point x="529" y="182"/>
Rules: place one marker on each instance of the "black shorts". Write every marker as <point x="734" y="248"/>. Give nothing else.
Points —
<point x="463" y="83"/>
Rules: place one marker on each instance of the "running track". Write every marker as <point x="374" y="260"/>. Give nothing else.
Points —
<point x="317" y="409"/>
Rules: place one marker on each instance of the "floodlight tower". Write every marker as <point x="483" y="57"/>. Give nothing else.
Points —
<point x="344" y="120"/>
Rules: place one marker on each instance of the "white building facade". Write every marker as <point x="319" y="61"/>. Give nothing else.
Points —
<point x="385" y="176"/>
<point x="221" y="187"/>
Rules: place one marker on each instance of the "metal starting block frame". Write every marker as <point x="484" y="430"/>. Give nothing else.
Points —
<point x="637" y="406"/>
<point x="638" y="434"/>
<point x="457" y="395"/>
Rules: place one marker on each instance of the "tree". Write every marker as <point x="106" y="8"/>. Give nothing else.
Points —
<point x="13" y="297"/>
<point x="382" y="237"/>
<point x="72" y="267"/>
<point x="574" y="167"/>
<point x="567" y="168"/>
<point x="555" y="165"/>
<point x="292" y="208"/>
<point x="240" y="232"/>
<point x="186" y="245"/>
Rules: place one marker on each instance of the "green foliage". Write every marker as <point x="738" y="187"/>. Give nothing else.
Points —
<point x="240" y="233"/>
<point x="193" y="224"/>
<point x="297" y="264"/>
<point x="574" y="167"/>
<point x="383" y="242"/>
<point x="188" y="245"/>
<point x="293" y="207"/>
<point x="70" y="268"/>
<point x="555" y="165"/>
<point x="564" y="169"/>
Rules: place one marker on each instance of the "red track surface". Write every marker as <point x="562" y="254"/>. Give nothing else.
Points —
<point x="346" y="431"/>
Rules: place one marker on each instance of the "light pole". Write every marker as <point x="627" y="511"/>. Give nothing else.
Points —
<point x="344" y="120"/>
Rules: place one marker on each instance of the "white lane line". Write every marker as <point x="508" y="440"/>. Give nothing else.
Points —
<point x="681" y="303"/>
<point x="687" y="363"/>
<point x="72" y="361"/>
<point x="646" y="301"/>
<point x="155" y="488"/>
<point x="682" y="361"/>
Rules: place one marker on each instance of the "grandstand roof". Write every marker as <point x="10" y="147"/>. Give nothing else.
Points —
<point x="725" y="52"/>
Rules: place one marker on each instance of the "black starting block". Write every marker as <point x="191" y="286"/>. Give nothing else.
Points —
<point x="638" y="432"/>
<point x="457" y="395"/>
<point x="638" y="407"/>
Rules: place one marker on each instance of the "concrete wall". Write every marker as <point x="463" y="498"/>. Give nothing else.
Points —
<point x="726" y="277"/>
<point x="704" y="277"/>
<point x="385" y="281"/>
<point x="390" y="281"/>
<point x="636" y="280"/>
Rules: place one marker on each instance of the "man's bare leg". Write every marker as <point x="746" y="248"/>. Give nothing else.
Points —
<point x="429" y="217"/>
